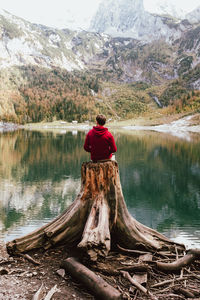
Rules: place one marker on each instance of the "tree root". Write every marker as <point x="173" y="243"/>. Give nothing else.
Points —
<point x="180" y="263"/>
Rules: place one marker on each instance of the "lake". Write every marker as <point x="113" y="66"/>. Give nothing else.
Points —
<point x="160" y="177"/>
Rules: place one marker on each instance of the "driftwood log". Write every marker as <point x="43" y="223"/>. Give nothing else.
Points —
<point x="97" y="220"/>
<point x="98" y="287"/>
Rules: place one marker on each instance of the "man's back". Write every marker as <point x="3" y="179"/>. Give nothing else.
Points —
<point x="100" y="143"/>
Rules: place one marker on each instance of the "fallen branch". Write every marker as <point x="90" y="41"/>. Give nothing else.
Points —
<point x="193" y="274"/>
<point x="167" y="254"/>
<point x="97" y="286"/>
<point x="51" y="292"/>
<point x="113" y="272"/>
<point x="159" y="292"/>
<point x="176" y="250"/>
<point x="184" y="292"/>
<point x="138" y="285"/>
<point x="5" y="262"/>
<point x="171" y="295"/>
<point x="106" y="270"/>
<point x="29" y="258"/>
<point x="135" y="268"/>
<point x="159" y="284"/>
<point x="131" y="251"/>
<point x="39" y="295"/>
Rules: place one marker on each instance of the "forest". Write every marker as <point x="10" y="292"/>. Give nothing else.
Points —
<point x="44" y="95"/>
<point x="53" y="94"/>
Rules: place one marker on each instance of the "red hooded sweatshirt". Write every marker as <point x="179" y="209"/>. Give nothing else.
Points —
<point x="100" y="143"/>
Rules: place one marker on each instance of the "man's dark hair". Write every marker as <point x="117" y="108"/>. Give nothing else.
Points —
<point x="101" y="119"/>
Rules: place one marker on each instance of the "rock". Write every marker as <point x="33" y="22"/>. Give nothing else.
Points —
<point x="42" y="273"/>
<point x="61" y="272"/>
<point x="3" y="271"/>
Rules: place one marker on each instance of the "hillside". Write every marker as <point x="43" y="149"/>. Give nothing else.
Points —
<point x="48" y="74"/>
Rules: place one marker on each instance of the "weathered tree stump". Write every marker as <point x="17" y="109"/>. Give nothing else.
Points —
<point x="97" y="216"/>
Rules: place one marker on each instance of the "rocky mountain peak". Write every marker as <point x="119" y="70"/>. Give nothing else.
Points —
<point x="134" y="5"/>
<point x="117" y="15"/>
<point x="194" y="16"/>
<point x="128" y="18"/>
<point x="166" y="7"/>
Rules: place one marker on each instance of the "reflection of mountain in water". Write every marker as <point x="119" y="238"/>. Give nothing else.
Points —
<point x="40" y="176"/>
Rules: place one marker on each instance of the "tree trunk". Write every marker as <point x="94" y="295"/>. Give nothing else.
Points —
<point x="98" y="215"/>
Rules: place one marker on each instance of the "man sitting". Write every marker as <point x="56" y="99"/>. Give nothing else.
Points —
<point x="99" y="141"/>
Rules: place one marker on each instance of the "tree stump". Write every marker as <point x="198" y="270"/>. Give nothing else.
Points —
<point x="97" y="217"/>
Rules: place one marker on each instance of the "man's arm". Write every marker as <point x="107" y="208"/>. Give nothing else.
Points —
<point x="87" y="145"/>
<point x="113" y="147"/>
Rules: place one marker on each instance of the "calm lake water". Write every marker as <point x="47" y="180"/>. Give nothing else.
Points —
<point x="160" y="177"/>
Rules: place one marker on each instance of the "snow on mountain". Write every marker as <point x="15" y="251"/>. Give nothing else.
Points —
<point x="22" y="42"/>
<point x="194" y="16"/>
<point x="128" y="18"/>
<point x="166" y="7"/>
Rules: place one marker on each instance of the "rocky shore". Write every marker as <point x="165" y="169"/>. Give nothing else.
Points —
<point x="4" y="126"/>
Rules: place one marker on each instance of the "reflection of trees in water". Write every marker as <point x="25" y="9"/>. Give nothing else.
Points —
<point x="161" y="173"/>
<point x="38" y="201"/>
<point x="51" y="156"/>
<point x="160" y="176"/>
<point x="39" y="175"/>
<point x="9" y="156"/>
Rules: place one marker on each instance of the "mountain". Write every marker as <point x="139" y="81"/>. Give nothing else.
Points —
<point x="194" y="16"/>
<point x="166" y="7"/>
<point x="25" y="43"/>
<point x="47" y="73"/>
<point x="128" y="18"/>
<point x="125" y="59"/>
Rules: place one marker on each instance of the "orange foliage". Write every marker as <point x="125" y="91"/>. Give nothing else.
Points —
<point x="56" y="94"/>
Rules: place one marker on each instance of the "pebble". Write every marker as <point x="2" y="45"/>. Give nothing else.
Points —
<point x="42" y="273"/>
<point x="61" y="273"/>
<point x="3" y="271"/>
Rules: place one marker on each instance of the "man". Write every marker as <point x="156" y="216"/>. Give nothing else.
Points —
<point x="99" y="141"/>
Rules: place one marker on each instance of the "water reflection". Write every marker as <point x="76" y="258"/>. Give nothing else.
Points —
<point x="39" y="178"/>
<point x="160" y="175"/>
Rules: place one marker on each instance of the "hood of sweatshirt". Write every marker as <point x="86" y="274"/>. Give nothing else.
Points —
<point x="100" y="130"/>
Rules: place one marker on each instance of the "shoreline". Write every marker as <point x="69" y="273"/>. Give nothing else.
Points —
<point x="180" y="125"/>
<point x="190" y="123"/>
<point x="172" y="125"/>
